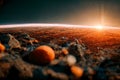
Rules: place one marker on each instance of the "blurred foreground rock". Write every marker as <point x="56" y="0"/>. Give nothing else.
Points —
<point x="72" y="62"/>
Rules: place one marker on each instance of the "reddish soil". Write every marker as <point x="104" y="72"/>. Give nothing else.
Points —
<point x="93" y="38"/>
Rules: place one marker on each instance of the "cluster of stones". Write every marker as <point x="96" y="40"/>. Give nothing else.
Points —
<point x="31" y="59"/>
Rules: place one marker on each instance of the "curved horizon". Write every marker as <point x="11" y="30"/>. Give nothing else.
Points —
<point x="52" y="25"/>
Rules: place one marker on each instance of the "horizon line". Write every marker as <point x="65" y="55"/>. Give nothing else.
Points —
<point x="51" y="25"/>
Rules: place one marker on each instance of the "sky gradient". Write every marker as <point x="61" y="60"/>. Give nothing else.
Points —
<point x="82" y="12"/>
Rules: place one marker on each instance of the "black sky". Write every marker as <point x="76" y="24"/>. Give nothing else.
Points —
<point x="83" y="12"/>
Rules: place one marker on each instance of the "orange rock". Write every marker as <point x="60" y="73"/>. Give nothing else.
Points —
<point x="36" y="41"/>
<point x="42" y="55"/>
<point x="65" y="51"/>
<point x="2" y="48"/>
<point x="77" y="71"/>
<point x="88" y="51"/>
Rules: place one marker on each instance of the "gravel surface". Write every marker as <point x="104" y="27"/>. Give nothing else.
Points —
<point x="73" y="60"/>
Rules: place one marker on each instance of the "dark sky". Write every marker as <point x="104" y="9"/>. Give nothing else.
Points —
<point x="83" y="12"/>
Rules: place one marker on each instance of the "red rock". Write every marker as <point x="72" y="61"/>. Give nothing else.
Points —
<point x="77" y="71"/>
<point x="42" y="55"/>
<point x="2" y="48"/>
<point x="65" y="51"/>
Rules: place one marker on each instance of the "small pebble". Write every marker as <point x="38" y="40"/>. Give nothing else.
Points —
<point x="42" y="55"/>
<point x="36" y="41"/>
<point x="65" y="51"/>
<point x="2" y="48"/>
<point x="88" y="51"/>
<point x="91" y="71"/>
<point x="71" y="60"/>
<point x="77" y="71"/>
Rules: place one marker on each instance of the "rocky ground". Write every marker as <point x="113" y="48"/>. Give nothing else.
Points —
<point x="74" y="60"/>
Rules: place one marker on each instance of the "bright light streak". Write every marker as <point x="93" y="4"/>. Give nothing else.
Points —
<point x="55" y="25"/>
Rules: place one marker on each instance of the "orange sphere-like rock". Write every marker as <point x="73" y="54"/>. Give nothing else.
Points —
<point x="42" y="55"/>
<point x="77" y="71"/>
<point x="2" y="47"/>
<point x="65" y="51"/>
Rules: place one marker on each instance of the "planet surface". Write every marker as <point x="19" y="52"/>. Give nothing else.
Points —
<point x="92" y="36"/>
<point x="95" y="50"/>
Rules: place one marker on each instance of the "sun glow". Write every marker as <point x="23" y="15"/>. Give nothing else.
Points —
<point x="99" y="27"/>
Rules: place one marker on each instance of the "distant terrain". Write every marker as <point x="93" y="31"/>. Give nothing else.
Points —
<point x="93" y="38"/>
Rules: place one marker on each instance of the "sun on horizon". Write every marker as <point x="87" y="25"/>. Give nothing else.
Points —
<point x="99" y="27"/>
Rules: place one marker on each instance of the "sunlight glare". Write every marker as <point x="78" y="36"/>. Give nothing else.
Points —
<point x="99" y="27"/>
